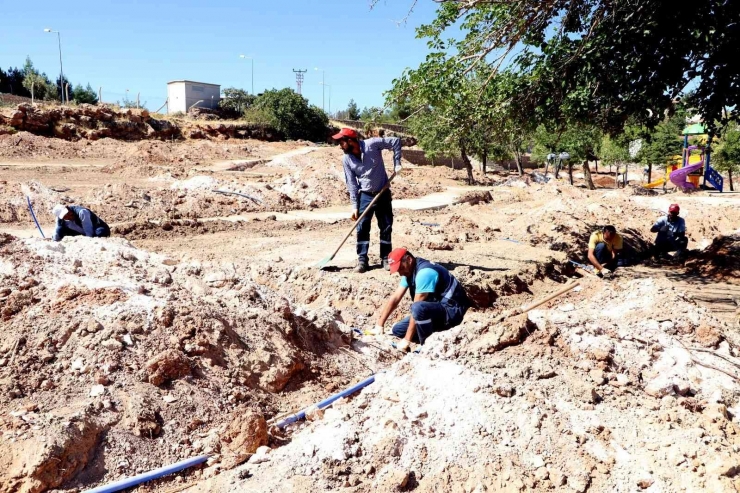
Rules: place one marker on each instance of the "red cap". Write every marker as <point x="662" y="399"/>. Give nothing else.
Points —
<point x="345" y="133"/>
<point x="394" y="259"/>
<point x="674" y="208"/>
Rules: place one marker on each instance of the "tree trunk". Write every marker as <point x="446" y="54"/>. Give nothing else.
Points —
<point x="729" y="175"/>
<point x="570" y="171"/>
<point x="596" y="166"/>
<point x="468" y="165"/>
<point x="519" y="166"/>
<point x="484" y="158"/>
<point x="587" y="176"/>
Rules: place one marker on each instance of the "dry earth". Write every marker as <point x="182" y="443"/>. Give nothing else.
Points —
<point x="203" y="320"/>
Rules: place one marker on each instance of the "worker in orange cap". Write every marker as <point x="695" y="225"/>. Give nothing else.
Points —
<point x="364" y="172"/>
<point x="439" y="301"/>
<point x="671" y="236"/>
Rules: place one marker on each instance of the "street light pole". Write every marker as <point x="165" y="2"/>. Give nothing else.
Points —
<point x="329" y="86"/>
<point x="323" y="91"/>
<point x="61" y="68"/>
<point x="252" y="59"/>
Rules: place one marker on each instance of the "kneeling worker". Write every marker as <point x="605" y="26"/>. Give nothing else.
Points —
<point x="439" y="300"/>
<point x="75" y="220"/>
<point x="671" y="231"/>
<point x="604" y="248"/>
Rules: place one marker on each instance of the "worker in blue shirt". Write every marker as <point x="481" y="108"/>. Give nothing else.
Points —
<point x="364" y="172"/>
<point x="671" y="231"/>
<point x="439" y="300"/>
<point x="75" y="220"/>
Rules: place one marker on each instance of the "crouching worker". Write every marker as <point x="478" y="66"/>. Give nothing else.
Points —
<point x="604" y="250"/>
<point x="671" y="231"/>
<point x="439" y="300"/>
<point x="75" y="220"/>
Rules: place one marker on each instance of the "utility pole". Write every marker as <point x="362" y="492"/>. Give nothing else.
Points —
<point x="252" y="59"/>
<point x="61" y="68"/>
<point x="299" y="78"/>
<point x="323" y="90"/>
<point x="329" y="86"/>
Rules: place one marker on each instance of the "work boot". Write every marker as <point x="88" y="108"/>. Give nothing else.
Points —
<point x="386" y="264"/>
<point x="361" y="268"/>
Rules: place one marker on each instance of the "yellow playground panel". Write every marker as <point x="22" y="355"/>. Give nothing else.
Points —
<point x="673" y="165"/>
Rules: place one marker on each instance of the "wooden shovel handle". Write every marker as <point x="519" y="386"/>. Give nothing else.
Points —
<point x="367" y="210"/>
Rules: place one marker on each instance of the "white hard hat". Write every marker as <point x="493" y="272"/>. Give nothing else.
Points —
<point x="60" y="211"/>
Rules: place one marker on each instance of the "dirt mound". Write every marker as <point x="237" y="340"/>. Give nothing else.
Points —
<point x="155" y="348"/>
<point x="720" y="260"/>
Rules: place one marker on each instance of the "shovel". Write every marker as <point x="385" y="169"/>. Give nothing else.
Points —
<point x="368" y="209"/>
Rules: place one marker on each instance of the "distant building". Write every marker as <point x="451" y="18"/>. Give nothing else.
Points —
<point x="183" y="94"/>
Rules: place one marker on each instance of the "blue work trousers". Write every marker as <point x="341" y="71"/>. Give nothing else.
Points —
<point x="383" y="211"/>
<point x="430" y="317"/>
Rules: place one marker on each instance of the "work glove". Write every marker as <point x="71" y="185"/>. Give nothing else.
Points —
<point x="403" y="345"/>
<point x="355" y="215"/>
<point x="397" y="168"/>
<point x="375" y="331"/>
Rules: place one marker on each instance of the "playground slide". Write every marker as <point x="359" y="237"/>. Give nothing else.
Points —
<point x="679" y="177"/>
<point x="655" y="184"/>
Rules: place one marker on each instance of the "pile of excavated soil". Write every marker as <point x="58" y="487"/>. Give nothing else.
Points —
<point x="720" y="260"/>
<point x="114" y="361"/>
<point x="599" y="392"/>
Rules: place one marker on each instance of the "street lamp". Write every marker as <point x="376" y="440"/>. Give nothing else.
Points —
<point x="329" y="86"/>
<point x="250" y="58"/>
<point x="61" y="69"/>
<point x="323" y="79"/>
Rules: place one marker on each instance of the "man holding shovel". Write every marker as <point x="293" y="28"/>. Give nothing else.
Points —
<point x="364" y="172"/>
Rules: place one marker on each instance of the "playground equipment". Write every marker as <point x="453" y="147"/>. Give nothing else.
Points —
<point x="687" y="175"/>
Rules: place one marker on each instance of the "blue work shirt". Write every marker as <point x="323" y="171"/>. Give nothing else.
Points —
<point x="85" y="222"/>
<point x="367" y="174"/>
<point x="668" y="228"/>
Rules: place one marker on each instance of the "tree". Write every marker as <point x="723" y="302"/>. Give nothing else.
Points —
<point x="614" y="151"/>
<point x="597" y="61"/>
<point x="291" y="114"/>
<point x="236" y="101"/>
<point x="353" y="112"/>
<point x="11" y="82"/>
<point x="31" y="78"/>
<point x="726" y="156"/>
<point x="85" y="95"/>
<point x="64" y="86"/>
<point x="664" y="142"/>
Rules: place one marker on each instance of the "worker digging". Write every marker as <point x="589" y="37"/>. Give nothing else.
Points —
<point x="671" y="236"/>
<point x="604" y="250"/>
<point x="439" y="300"/>
<point x="75" y="220"/>
<point x="366" y="178"/>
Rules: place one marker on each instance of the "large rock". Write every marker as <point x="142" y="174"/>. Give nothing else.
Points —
<point x="246" y="433"/>
<point x="167" y="365"/>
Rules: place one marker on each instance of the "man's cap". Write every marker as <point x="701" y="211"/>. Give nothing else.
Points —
<point x="394" y="259"/>
<point x="344" y="134"/>
<point x="674" y="208"/>
<point x="59" y="211"/>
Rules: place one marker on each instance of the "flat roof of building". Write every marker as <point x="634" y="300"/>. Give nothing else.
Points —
<point x="193" y="82"/>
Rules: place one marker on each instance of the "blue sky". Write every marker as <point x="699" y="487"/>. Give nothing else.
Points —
<point x="140" y="45"/>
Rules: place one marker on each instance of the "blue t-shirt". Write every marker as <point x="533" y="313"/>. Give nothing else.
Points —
<point x="426" y="281"/>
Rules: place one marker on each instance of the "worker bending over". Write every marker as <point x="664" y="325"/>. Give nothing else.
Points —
<point x="75" y="220"/>
<point x="671" y="231"/>
<point x="604" y="248"/>
<point x="439" y="300"/>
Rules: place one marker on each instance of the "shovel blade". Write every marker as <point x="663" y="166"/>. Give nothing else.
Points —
<point x="324" y="262"/>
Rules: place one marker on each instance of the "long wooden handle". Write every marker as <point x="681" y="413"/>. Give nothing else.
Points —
<point x="533" y="305"/>
<point x="367" y="210"/>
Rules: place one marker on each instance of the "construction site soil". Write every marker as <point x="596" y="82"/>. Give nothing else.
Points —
<point x="203" y="320"/>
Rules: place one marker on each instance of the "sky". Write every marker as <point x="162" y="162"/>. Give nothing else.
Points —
<point x="141" y="45"/>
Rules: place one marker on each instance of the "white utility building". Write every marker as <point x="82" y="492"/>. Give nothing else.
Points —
<point x="183" y="94"/>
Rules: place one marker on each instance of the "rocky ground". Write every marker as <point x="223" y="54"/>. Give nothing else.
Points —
<point x="203" y="320"/>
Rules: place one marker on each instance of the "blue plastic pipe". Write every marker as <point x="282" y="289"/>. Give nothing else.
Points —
<point x="149" y="476"/>
<point x="326" y="402"/>
<point x="28" y="199"/>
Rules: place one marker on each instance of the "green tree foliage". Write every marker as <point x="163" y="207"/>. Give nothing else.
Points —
<point x="236" y="101"/>
<point x="664" y="142"/>
<point x="353" y="112"/>
<point x="614" y="151"/>
<point x="85" y="95"/>
<point x="291" y="114"/>
<point x="598" y="61"/>
<point x="11" y="82"/>
<point x="581" y="142"/>
<point x="38" y="85"/>
<point x="726" y="156"/>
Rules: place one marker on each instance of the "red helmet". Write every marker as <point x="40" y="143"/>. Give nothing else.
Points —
<point x="344" y="134"/>
<point x="674" y="208"/>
